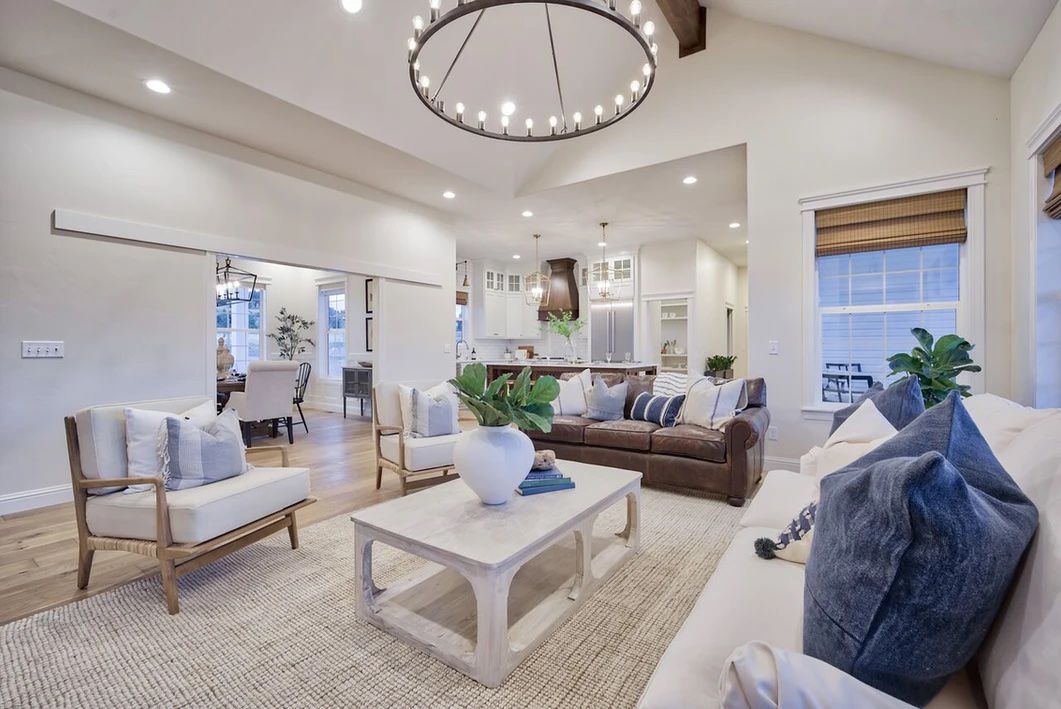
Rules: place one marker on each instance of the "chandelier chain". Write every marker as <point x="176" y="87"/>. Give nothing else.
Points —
<point x="556" y="67"/>
<point x="458" y="55"/>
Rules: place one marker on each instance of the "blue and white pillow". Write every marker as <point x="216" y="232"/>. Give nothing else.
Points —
<point x="194" y="456"/>
<point x="662" y="410"/>
<point x="433" y="414"/>
<point x="670" y="383"/>
<point x="793" y="543"/>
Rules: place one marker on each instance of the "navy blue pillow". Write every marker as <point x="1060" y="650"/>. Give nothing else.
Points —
<point x="900" y="403"/>
<point x="914" y="548"/>
<point x="657" y="409"/>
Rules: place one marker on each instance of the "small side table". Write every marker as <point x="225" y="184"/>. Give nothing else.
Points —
<point x="357" y="384"/>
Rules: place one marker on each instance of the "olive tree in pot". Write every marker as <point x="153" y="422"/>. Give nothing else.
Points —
<point x="936" y="364"/>
<point x="289" y="336"/>
<point x="720" y="366"/>
<point x="495" y="457"/>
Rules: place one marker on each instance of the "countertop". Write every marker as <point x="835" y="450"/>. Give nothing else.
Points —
<point x="544" y="363"/>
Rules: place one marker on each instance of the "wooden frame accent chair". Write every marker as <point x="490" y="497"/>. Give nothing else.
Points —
<point x="183" y="529"/>
<point x="418" y="462"/>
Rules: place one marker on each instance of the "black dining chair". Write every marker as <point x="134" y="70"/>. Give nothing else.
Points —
<point x="301" y="381"/>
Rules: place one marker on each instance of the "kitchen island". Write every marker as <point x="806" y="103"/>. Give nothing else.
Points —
<point x="555" y="367"/>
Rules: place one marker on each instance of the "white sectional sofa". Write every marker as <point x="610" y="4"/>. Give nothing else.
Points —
<point x="751" y="599"/>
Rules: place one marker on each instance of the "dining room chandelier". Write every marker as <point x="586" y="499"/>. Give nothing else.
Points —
<point x="560" y="125"/>
<point x="230" y="281"/>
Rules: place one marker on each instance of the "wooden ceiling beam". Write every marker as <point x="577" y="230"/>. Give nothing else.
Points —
<point x="689" y="22"/>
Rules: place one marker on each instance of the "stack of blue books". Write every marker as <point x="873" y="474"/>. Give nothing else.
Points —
<point x="539" y="481"/>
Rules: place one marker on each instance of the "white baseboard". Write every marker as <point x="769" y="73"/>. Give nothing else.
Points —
<point x="772" y="463"/>
<point x="32" y="499"/>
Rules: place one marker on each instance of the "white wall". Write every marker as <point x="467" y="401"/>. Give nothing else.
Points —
<point x="716" y="288"/>
<point x="740" y="325"/>
<point x="1035" y="104"/>
<point x="818" y="116"/>
<point x="135" y="317"/>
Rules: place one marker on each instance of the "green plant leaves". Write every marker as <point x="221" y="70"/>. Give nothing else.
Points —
<point x="936" y="364"/>
<point x="499" y="404"/>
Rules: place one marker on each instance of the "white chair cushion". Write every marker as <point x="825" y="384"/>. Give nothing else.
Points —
<point x="420" y="453"/>
<point x="200" y="513"/>
<point x="780" y="498"/>
<point x="1018" y="662"/>
<point x="101" y="435"/>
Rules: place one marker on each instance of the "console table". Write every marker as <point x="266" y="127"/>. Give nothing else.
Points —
<point x="357" y="384"/>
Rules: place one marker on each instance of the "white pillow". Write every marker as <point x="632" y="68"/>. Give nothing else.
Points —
<point x="573" y="397"/>
<point x="1001" y="420"/>
<point x="142" y="430"/>
<point x="758" y="676"/>
<point x="863" y="431"/>
<point x="866" y="424"/>
<point x="711" y="406"/>
<point x="405" y="399"/>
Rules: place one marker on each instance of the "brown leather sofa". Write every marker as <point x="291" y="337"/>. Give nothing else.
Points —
<point x="685" y="458"/>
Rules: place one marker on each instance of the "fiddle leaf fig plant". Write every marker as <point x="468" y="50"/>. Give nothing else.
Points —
<point x="936" y="364"/>
<point x="525" y="404"/>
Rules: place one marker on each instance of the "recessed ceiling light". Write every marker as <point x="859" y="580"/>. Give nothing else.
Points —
<point x="747" y="242"/>
<point x="448" y="194"/>
<point x="690" y="180"/>
<point x="734" y="225"/>
<point x="515" y="256"/>
<point x="158" y="86"/>
<point x="352" y="6"/>
<point x="528" y="213"/>
<point x="508" y="108"/>
<point x="602" y="243"/>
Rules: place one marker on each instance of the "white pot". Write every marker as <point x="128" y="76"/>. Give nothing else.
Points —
<point x="493" y="461"/>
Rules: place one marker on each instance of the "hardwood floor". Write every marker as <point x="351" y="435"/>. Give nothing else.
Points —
<point x="38" y="549"/>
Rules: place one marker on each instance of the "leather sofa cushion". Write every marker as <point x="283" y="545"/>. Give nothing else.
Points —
<point x="636" y="384"/>
<point x="691" y="441"/>
<point x="200" y="513"/>
<point x="566" y="429"/>
<point x="625" y="434"/>
<point x="756" y="389"/>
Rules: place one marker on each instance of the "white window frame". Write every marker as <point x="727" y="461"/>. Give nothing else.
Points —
<point x="263" y="331"/>
<point x="971" y="305"/>
<point x="324" y="288"/>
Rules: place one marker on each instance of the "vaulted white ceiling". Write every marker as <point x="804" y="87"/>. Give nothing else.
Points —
<point x="988" y="36"/>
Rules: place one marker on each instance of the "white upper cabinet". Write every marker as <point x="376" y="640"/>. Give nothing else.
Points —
<point x="499" y="308"/>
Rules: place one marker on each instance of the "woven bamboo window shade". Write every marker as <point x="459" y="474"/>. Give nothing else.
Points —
<point x="1052" y="166"/>
<point x="923" y="220"/>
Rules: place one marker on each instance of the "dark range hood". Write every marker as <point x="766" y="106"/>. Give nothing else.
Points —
<point x="563" y="289"/>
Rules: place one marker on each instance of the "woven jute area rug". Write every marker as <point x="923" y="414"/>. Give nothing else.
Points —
<point x="272" y="627"/>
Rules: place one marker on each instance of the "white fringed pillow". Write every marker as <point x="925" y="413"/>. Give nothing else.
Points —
<point x="573" y="397"/>
<point x="711" y="406"/>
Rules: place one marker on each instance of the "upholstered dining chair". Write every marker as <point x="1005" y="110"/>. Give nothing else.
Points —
<point x="267" y="397"/>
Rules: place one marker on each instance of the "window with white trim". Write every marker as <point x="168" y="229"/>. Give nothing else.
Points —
<point x="241" y="325"/>
<point x="867" y="304"/>
<point x="333" y="330"/>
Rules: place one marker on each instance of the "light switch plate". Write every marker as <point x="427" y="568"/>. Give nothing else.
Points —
<point x="771" y="433"/>
<point x="446" y="348"/>
<point x="37" y="349"/>
<point x="775" y="347"/>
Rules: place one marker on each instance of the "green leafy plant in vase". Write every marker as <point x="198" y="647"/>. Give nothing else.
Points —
<point x="936" y="364"/>
<point x="495" y="457"/>
<point x="289" y="335"/>
<point x="720" y="366"/>
<point x="566" y="327"/>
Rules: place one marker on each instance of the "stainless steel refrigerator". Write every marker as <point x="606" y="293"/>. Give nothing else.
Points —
<point x="612" y="330"/>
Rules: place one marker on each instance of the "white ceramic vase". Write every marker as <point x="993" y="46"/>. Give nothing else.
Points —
<point x="493" y="461"/>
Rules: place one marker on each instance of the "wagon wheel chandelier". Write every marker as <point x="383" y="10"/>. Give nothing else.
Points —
<point x="560" y="125"/>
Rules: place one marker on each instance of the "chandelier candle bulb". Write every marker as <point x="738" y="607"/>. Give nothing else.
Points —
<point x="598" y="110"/>
<point x="578" y="120"/>
<point x="635" y="86"/>
<point x="412" y="47"/>
<point x="530" y="126"/>
<point x="425" y="83"/>
<point x="504" y="124"/>
<point x="618" y="104"/>
<point x="416" y="70"/>
<point x="508" y="108"/>
<point x="635" y="12"/>
<point x="649" y="28"/>
<point x="460" y="112"/>
<point x="482" y="120"/>
<point x="435" y="5"/>
<point x="418" y="27"/>
<point x="552" y="125"/>
<point x="646" y="70"/>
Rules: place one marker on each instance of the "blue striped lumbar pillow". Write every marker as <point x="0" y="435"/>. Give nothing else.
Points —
<point x="193" y="456"/>
<point x="657" y="409"/>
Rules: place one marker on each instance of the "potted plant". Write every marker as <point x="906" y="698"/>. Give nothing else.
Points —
<point x="720" y="366"/>
<point x="288" y="335"/>
<point x="567" y="328"/>
<point x="936" y="364"/>
<point x="495" y="457"/>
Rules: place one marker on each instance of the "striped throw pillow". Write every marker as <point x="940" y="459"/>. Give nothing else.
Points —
<point x="662" y="410"/>
<point x="433" y="414"/>
<point x="670" y="384"/>
<point x="193" y="456"/>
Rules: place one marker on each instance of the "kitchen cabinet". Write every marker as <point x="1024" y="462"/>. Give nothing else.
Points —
<point x="499" y="308"/>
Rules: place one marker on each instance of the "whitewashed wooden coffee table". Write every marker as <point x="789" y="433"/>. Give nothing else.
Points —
<point x="469" y="629"/>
